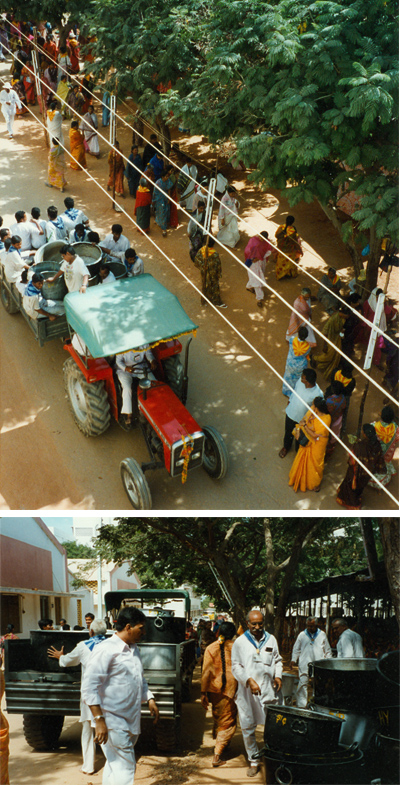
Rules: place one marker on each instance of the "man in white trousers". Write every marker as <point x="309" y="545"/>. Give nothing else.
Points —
<point x="257" y="666"/>
<point x="114" y="687"/>
<point x="9" y="101"/>
<point x="82" y="654"/>
<point x="349" y="643"/>
<point x="311" y="644"/>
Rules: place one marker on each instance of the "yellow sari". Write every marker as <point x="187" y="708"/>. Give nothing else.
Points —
<point x="56" y="169"/>
<point x="308" y="466"/>
<point x="77" y="149"/>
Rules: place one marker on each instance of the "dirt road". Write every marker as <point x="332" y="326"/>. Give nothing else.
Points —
<point x="48" y="464"/>
<point x="190" y="765"/>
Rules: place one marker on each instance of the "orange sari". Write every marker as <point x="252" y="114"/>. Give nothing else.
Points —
<point x="119" y="172"/>
<point x="77" y="149"/>
<point x="308" y="466"/>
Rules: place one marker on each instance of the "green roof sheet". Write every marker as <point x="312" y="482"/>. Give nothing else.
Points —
<point x="125" y="315"/>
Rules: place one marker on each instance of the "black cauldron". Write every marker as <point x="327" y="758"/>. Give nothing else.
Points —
<point x="292" y="729"/>
<point x="345" y="683"/>
<point x="344" y="766"/>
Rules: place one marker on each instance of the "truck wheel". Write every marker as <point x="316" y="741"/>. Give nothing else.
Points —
<point x="135" y="484"/>
<point x="168" y="733"/>
<point x="173" y="371"/>
<point x="8" y="302"/>
<point x="43" y="731"/>
<point x="88" y="402"/>
<point x="215" y="461"/>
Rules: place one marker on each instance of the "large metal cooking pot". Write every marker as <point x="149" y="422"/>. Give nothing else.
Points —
<point x="291" y="729"/>
<point x="387" y="689"/>
<point x="52" y="291"/>
<point x="345" y="683"/>
<point x="91" y="255"/>
<point x="344" y="766"/>
<point x="118" y="268"/>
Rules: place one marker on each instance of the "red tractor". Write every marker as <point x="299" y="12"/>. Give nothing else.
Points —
<point x="133" y="313"/>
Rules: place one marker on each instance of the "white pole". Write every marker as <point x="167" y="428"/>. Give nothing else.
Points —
<point x="112" y="119"/>
<point x="99" y="588"/>
<point x="373" y="335"/>
<point x="209" y="206"/>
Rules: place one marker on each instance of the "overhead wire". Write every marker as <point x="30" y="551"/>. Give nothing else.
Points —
<point x="288" y="305"/>
<point x="216" y="199"/>
<point x="241" y="336"/>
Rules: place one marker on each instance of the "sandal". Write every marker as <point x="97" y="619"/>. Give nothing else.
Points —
<point x="282" y="453"/>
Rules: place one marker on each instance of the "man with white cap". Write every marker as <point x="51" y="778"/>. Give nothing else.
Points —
<point x="9" y="101"/>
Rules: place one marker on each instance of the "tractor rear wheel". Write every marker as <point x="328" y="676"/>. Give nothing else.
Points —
<point x="135" y="484"/>
<point x="173" y="371"/>
<point x="215" y="461"/>
<point x="42" y="732"/>
<point x="7" y="301"/>
<point x="168" y="732"/>
<point x="88" y="401"/>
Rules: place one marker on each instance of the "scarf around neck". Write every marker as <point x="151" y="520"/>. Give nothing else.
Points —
<point x="58" y="222"/>
<point x="72" y="213"/>
<point x="12" y="248"/>
<point x="31" y="290"/>
<point x="257" y="644"/>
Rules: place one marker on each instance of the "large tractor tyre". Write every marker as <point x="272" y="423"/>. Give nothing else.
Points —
<point x="173" y="371"/>
<point x="135" y="484"/>
<point x="42" y="732"/>
<point x="215" y="461"/>
<point x="88" y="401"/>
<point x="168" y="734"/>
<point x="8" y="302"/>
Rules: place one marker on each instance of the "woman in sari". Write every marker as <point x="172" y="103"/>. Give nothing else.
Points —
<point x="50" y="79"/>
<point x="367" y="450"/>
<point x="387" y="432"/>
<point x="308" y="466"/>
<point x="116" y="167"/>
<point x="228" y="233"/>
<point x="56" y="178"/>
<point x="327" y="360"/>
<point x="336" y="402"/>
<point x="142" y="206"/>
<point x="289" y="243"/>
<point x="161" y="202"/>
<point x="218" y="687"/>
<point x="173" y="210"/>
<point x="88" y="126"/>
<point x="28" y="78"/>
<point x="255" y="256"/>
<point x="297" y="359"/>
<point x="77" y="148"/>
<point x="62" y="93"/>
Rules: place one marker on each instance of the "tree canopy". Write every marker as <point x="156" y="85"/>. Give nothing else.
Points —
<point x="78" y="550"/>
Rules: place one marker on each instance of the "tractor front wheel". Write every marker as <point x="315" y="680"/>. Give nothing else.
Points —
<point x="88" y="401"/>
<point x="215" y="460"/>
<point x="135" y="484"/>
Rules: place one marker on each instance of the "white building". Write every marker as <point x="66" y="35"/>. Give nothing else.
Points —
<point x="34" y="579"/>
<point x="113" y="577"/>
<point x="84" y="528"/>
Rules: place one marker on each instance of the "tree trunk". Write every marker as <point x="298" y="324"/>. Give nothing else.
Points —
<point x="235" y="591"/>
<point x="350" y="246"/>
<point x="166" y="136"/>
<point x="373" y="261"/>
<point x="390" y="535"/>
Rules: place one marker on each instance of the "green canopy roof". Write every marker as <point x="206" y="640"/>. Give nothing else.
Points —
<point x="126" y="314"/>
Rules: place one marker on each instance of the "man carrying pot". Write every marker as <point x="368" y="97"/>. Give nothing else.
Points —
<point x="257" y="666"/>
<point x="311" y="644"/>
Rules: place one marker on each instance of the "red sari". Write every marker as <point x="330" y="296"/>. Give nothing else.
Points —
<point x="28" y="78"/>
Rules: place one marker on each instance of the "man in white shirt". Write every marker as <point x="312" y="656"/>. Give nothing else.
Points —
<point x="133" y="363"/>
<point x="114" y="688"/>
<point x="308" y="389"/>
<point x="22" y="228"/>
<point x="82" y="654"/>
<point x="133" y="263"/>
<point x="38" y="228"/>
<point x="311" y="644"/>
<point x="9" y="101"/>
<point x="257" y="666"/>
<point x="15" y="262"/>
<point x="72" y="216"/>
<point x="54" y="122"/>
<point x="55" y="227"/>
<point x="35" y="305"/>
<point x="74" y="270"/>
<point x="5" y="235"/>
<point x="349" y="643"/>
<point x="115" y="244"/>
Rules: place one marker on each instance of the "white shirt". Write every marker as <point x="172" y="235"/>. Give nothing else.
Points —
<point x="114" y="679"/>
<point x="9" y="101"/>
<point x="38" y="240"/>
<point x="69" y="222"/>
<point x="137" y="359"/>
<point x="23" y="230"/>
<point x="13" y="266"/>
<point x="350" y="645"/>
<point x="81" y="654"/>
<point x="53" y="233"/>
<point x="263" y="667"/>
<point x="296" y="410"/>
<point x="117" y="247"/>
<point x="308" y="650"/>
<point x="137" y="269"/>
<point x="74" y="273"/>
<point x="109" y="279"/>
<point x="74" y="239"/>
<point x="31" y="304"/>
